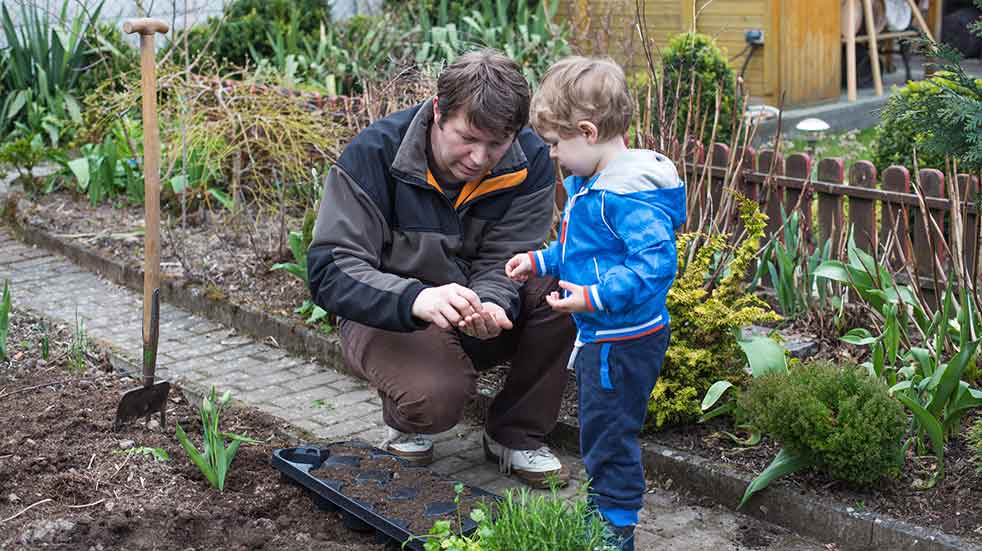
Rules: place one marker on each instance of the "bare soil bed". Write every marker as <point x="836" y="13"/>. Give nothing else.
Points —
<point x="67" y="481"/>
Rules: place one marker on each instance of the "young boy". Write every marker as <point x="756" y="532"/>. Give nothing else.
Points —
<point x="615" y="257"/>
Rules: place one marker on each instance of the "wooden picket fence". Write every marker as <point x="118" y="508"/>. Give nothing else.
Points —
<point x="872" y="205"/>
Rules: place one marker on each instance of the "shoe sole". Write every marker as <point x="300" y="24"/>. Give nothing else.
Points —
<point x="417" y="459"/>
<point x="539" y="481"/>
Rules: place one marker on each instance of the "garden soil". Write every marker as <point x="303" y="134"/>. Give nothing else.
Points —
<point x="68" y="482"/>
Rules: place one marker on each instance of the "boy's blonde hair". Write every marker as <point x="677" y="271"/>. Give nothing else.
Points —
<point x="578" y="89"/>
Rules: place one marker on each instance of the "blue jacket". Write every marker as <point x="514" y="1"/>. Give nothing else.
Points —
<point x="618" y="240"/>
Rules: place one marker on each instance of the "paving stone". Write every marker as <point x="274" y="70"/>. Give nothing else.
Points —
<point x="347" y="428"/>
<point x="478" y="475"/>
<point x="349" y="383"/>
<point x="263" y="395"/>
<point x="355" y="396"/>
<point x="321" y="379"/>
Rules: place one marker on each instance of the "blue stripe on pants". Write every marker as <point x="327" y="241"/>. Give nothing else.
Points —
<point x="614" y="382"/>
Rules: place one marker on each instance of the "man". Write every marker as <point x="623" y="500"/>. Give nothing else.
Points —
<point x="418" y="218"/>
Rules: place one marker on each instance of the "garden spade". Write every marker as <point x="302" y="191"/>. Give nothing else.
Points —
<point x="151" y="397"/>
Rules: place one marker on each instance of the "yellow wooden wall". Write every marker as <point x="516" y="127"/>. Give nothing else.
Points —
<point x="801" y="38"/>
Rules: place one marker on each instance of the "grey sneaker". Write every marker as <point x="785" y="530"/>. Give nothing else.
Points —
<point x="414" y="448"/>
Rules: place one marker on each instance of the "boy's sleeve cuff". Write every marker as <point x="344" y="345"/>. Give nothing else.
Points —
<point x="593" y="297"/>
<point x="538" y="262"/>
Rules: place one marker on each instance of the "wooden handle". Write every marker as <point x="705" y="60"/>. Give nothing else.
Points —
<point x="151" y="176"/>
<point x="851" y="51"/>
<point x="145" y="26"/>
<point x="873" y="47"/>
<point x="920" y="19"/>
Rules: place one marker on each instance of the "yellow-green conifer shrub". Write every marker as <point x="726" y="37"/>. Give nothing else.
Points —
<point x="706" y="320"/>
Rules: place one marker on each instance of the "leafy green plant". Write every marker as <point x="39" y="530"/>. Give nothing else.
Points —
<point x="527" y="521"/>
<point x="930" y="378"/>
<point x="4" y="319"/>
<point x="709" y="305"/>
<point x="833" y="418"/>
<point x="45" y="340"/>
<point x="44" y="60"/>
<point x="108" y="169"/>
<point x="158" y="454"/>
<point x="249" y="24"/>
<point x="216" y="458"/>
<point x="765" y="356"/>
<point x="909" y="122"/>
<point x="695" y="70"/>
<point x="24" y="154"/>
<point x="299" y="244"/>
<point x="792" y="269"/>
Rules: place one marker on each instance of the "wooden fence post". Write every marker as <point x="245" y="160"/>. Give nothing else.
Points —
<point x="799" y="165"/>
<point x="968" y="188"/>
<point x="830" y="218"/>
<point x="895" y="178"/>
<point x="771" y="193"/>
<point x="862" y="212"/>
<point x="927" y="246"/>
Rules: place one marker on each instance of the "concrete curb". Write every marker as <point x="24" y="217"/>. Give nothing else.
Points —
<point x="803" y="513"/>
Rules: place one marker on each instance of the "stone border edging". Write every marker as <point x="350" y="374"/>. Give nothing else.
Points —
<point x="804" y="514"/>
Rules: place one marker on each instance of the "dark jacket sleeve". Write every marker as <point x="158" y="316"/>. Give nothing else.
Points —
<point x="525" y="226"/>
<point x="344" y="258"/>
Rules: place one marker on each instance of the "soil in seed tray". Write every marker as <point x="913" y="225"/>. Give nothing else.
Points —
<point x="395" y="490"/>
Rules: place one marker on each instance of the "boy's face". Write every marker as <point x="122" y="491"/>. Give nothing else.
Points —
<point x="577" y="154"/>
<point x="462" y="151"/>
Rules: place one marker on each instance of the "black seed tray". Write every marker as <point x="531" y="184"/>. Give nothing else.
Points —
<point x="297" y="463"/>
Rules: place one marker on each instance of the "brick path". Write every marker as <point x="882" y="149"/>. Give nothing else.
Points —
<point x="199" y="353"/>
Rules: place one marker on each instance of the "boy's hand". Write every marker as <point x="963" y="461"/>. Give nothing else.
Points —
<point x="575" y="302"/>
<point x="519" y="268"/>
<point x="486" y="324"/>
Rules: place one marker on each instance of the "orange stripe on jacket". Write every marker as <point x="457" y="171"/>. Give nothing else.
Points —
<point x="652" y="331"/>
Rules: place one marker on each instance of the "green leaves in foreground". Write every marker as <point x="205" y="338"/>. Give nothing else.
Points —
<point x="214" y="461"/>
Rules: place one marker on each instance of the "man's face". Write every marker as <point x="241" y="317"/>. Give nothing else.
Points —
<point x="462" y="151"/>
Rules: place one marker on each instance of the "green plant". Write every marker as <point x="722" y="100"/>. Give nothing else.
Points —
<point x="215" y="459"/>
<point x="24" y="154"/>
<point x="709" y="305"/>
<point x="249" y="24"/>
<point x="695" y="71"/>
<point x="44" y="61"/>
<point x="834" y="418"/>
<point x="158" y="454"/>
<point x="45" y="340"/>
<point x="299" y="244"/>
<point x="910" y="121"/>
<point x="109" y="58"/>
<point x="792" y="269"/>
<point x="4" y="319"/>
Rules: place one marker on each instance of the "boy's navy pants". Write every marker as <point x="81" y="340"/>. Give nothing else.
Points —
<point x="614" y="383"/>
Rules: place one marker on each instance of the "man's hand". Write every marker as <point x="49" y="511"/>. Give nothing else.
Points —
<point x="519" y="268"/>
<point x="575" y="302"/>
<point x="486" y="324"/>
<point x="446" y="305"/>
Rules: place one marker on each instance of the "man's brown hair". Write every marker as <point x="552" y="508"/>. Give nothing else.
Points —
<point x="578" y="89"/>
<point x="489" y="89"/>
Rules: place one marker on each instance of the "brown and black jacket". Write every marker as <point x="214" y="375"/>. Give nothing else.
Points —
<point x="385" y="230"/>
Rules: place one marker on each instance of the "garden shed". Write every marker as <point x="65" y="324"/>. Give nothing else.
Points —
<point x="794" y="46"/>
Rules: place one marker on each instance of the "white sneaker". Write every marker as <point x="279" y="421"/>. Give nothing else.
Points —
<point x="414" y="448"/>
<point x="539" y="468"/>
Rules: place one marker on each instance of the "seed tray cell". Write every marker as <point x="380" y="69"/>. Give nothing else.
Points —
<point x="377" y="491"/>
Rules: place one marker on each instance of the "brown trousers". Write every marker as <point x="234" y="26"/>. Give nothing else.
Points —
<point x="426" y="378"/>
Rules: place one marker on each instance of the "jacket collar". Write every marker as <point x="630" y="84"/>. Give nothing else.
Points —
<point x="410" y="160"/>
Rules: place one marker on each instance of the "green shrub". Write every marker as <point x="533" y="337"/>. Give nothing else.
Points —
<point x="696" y="52"/>
<point x="251" y="23"/>
<point x="705" y="318"/>
<point x="109" y="57"/>
<point x="843" y="420"/>
<point x="902" y="125"/>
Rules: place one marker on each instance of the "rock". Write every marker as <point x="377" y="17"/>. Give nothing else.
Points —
<point x="13" y="498"/>
<point x="153" y="425"/>
<point x="263" y="524"/>
<point x="47" y="531"/>
<point x="126" y="444"/>
<point x="30" y="442"/>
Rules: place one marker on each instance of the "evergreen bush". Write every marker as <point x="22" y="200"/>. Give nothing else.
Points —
<point x="698" y="53"/>
<point x="705" y="318"/>
<point x="839" y="417"/>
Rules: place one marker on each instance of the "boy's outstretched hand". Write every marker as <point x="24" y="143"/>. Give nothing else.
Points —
<point x="519" y="268"/>
<point x="577" y="300"/>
